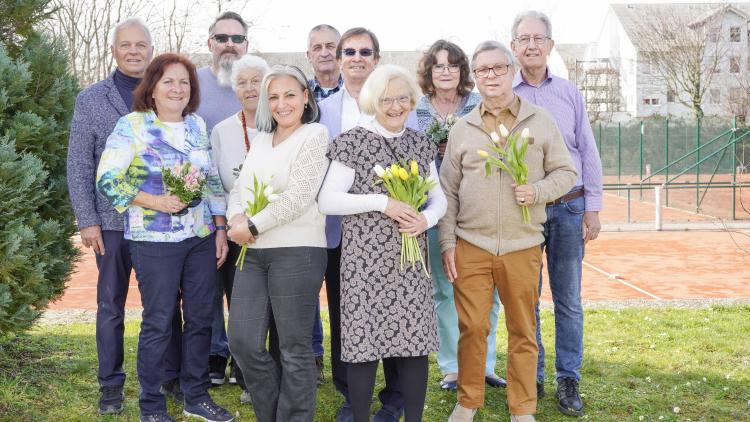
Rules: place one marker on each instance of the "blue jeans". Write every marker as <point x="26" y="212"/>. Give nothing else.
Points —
<point x="224" y="283"/>
<point x="447" y="319"/>
<point x="166" y="271"/>
<point x="317" y="334"/>
<point x="564" y="245"/>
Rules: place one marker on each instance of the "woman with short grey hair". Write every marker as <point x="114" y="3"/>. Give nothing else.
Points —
<point x="387" y="313"/>
<point x="283" y="269"/>
<point x="231" y="139"/>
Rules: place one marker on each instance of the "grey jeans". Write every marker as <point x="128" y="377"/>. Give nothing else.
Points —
<point x="285" y="283"/>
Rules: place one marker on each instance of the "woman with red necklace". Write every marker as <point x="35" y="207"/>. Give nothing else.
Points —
<point x="231" y="139"/>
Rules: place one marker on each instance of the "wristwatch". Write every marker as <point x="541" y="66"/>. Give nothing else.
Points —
<point x="251" y="227"/>
<point x="221" y="228"/>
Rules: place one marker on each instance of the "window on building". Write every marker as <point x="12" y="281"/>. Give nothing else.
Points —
<point x="647" y="101"/>
<point x="734" y="34"/>
<point x="714" y="34"/>
<point x="734" y="64"/>
<point x="714" y="96"/>
<point x="654" y="101"/>
<point x="735" y="94"/>
<point x="670" y="96"/>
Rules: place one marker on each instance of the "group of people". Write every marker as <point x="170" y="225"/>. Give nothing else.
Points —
<point x="316" y="142"/>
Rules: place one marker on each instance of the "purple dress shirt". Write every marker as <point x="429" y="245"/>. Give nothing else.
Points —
<point x="564" y="102"/>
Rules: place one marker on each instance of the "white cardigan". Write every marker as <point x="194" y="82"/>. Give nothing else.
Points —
<point x="297" y="167"/>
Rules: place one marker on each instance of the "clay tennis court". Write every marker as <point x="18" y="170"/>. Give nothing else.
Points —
<point x="695" y="258"/>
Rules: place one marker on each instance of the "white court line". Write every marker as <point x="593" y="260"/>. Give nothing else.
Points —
<point x="621" y="280"/>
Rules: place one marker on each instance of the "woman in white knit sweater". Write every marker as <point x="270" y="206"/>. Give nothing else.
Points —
<point x="283" y="269"/>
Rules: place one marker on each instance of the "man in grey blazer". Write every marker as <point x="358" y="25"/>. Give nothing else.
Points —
<point x="97" y="110"/>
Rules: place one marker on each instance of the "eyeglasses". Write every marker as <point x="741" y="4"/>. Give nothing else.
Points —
<point x="538" y="39"/>
<point x="404" y="100"/>
<point x="363" y="52"/>
<point x="498" y="70"/>
<point x="251" y="82"/>
<point x="440" y="68"/>
<point x="223" y="38"/>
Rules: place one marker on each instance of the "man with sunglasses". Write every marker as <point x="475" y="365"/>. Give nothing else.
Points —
<point x="227" y="41"/>
<point x="573" y="219"/>
<point x="484" y="241"/>
<point x="357" y="54"/>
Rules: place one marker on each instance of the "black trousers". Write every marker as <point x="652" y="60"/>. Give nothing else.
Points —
<point x="412" y="375"/>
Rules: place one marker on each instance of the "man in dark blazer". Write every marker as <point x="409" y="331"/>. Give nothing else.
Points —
<point x="97" y="110"/>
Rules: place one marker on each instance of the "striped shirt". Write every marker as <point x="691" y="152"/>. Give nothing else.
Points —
<point x="564" y="102"/>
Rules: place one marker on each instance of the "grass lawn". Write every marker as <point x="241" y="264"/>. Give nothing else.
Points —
<point x="640" y="364"/>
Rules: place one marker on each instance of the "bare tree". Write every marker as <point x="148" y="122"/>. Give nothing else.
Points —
<point x="84" y="25"/>
<point x="183" y="26"/>
<point x="683" y="51"/>
<point x="739" y="99"/>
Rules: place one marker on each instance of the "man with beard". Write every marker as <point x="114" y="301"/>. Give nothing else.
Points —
<point x="227" y="42"/>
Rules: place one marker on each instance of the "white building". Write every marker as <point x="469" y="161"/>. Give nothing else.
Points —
<point x="643" y="92"/>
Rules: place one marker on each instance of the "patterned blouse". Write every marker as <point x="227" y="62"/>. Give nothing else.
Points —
<point x="426" y="112"/>
<point x="137" y="150"/>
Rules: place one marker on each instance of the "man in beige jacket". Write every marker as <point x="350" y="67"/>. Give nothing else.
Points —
<point x="483" y="238"/>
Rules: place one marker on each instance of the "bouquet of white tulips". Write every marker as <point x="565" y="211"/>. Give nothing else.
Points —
<point x="511" y="158"/>
<point x="404" y="183"/>
<point x="262" y="195"/>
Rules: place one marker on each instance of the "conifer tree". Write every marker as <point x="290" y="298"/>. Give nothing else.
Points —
<point x="37" y="96"/>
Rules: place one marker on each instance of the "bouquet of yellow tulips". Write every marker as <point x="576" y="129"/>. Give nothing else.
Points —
<point x="263" y="194"/>
<point x="404" y="183"/>
<point x="511" y="158"/>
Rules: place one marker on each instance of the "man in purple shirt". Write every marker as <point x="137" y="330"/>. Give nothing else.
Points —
<point x="573" y="219"/>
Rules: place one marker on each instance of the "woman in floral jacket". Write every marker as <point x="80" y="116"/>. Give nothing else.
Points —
<point x="175" y="256"/>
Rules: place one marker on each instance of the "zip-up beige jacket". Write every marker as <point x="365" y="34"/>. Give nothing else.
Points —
<point x="482" y="210"/>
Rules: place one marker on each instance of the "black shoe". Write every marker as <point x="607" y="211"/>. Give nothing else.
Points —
<point x="208" y="411"/>
<point x="157" y="417"/>
<point x="568" y="400"/>
<point x="234" y="371"/>
<point x="540" y="393"/>
<point x="217" y="367"/>
<point x="173" y="390"/>
<point x="495" y="382"/>
<point x="110" y="400"/>
<point x="320" y="366"/>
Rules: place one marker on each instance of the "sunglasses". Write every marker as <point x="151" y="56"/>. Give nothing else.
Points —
<point x="223" y="38"/>
<point x="363" y="52"/>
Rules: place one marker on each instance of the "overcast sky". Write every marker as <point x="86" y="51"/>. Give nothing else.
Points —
<point x="282" y="25"/>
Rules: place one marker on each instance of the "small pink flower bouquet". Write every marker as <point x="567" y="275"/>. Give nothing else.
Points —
<point x="186" y="182"/>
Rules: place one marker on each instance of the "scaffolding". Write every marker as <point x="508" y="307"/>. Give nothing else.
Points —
<point x="599" y="84"/>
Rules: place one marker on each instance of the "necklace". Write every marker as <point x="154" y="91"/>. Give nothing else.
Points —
<point x="244" y="132"/>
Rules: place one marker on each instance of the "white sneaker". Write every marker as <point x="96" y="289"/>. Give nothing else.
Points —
<point x="522" y="418"/>
<point x="462" y="414"/>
